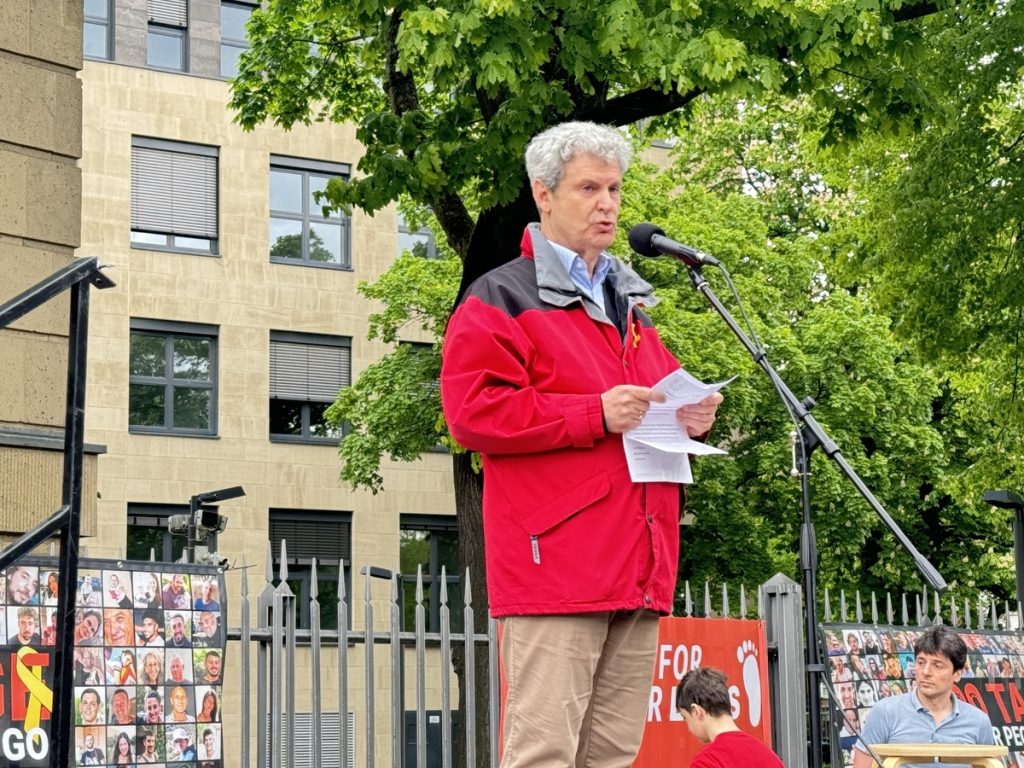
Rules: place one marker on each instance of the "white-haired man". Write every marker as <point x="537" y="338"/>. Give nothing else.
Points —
<point x="547" y="360"/>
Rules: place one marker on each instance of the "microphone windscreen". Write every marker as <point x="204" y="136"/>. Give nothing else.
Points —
<point x="640" y="238"/>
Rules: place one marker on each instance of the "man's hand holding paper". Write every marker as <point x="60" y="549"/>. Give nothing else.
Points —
<point x="658" y="447"/>
<point x="697" y="418"/>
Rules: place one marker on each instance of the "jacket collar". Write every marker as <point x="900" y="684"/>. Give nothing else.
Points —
<point x="555" y="287"/>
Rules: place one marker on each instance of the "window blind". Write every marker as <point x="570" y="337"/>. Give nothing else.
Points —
<point x="309" y="372"/>
<point x="173" y="13"/>
<point x="174" y="192"/>
<point x="326" y="540"/>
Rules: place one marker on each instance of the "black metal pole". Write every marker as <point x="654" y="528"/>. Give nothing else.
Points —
<point x="812" y="436"/>
<point x="1018" y="552"/>
<point x="189" y="555"/>
<point x="28" y="541"/>
<point x="809" y="567"/>
<point x="71" y="495"/>
<point x="76" y="276"/>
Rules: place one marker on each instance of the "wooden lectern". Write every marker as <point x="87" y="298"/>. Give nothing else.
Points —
<point x="978" y="755"/>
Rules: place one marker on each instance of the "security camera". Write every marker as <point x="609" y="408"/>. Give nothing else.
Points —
<point x="206" y="557"/>
<point x="178" y="523"/>
<point x="210" y="520"/>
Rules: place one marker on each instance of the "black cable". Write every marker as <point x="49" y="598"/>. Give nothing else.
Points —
<point x="856" y="732"/>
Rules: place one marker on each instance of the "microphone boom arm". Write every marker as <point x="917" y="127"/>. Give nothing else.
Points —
<point x="812" y="435"/>
<point x="817" y="434"/>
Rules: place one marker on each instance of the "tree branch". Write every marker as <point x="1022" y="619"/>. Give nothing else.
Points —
<point x="401" y="87"/>
<point x="455" y="221"/>
<point x="448" y="206"/>
<point x="916" y="11"/>
<point x="638" y="105"/>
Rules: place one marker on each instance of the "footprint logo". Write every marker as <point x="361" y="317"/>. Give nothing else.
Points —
<point x="746" y="654"/>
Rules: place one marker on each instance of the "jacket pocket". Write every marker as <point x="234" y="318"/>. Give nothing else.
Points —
<point x="556" y="511"/>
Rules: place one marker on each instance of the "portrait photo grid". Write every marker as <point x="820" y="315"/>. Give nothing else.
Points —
<point x="868" y="665"/>
<point x="148" y="658"/>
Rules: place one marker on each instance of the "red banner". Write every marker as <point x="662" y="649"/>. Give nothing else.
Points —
<point x="737" y="647"/>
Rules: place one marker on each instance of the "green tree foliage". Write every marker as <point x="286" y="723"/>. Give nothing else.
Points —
<point x="393" y="410"/>
<point x="945" y="202"/>
<point x="444" y="96"/>
<point x="871" y="397"/>
<point x="936" y="245"/>
<point x="912" y="427"/>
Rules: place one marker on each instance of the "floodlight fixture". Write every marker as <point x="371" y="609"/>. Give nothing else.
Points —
<point x="202" y="520"/>
<point x="223" y="494"/>
<point x="1004" y="499"/>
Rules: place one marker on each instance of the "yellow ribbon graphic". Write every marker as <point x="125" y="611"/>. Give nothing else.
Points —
<point x="40" y="695"/>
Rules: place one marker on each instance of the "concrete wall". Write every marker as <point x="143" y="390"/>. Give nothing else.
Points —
<point x="40" y="226"/>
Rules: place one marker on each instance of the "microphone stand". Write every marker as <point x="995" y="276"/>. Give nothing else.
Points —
<point x="811" y="435"/>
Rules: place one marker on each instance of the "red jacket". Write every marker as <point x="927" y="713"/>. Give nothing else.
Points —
<point x="524" y="363"/>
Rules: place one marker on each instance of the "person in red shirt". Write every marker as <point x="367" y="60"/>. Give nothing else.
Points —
<point x="702" y="699"/>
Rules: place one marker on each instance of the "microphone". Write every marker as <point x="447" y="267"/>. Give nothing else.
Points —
<point x="649" y="240"/>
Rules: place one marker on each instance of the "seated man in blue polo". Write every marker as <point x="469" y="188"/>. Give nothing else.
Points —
<point x="930" y="713"/>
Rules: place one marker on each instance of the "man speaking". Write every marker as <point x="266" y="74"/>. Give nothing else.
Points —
<point x="547" y="361"/>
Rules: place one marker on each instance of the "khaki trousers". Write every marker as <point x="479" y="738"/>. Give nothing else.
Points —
<point x="577" y="688"/>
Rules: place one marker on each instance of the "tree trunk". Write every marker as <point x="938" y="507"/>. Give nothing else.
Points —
<point x="497" y="236"/>
<point x="469" y="513"/>
<point x="495" y="240"/>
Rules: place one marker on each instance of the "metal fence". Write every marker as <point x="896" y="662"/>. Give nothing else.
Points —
<point x="390" y="696"/>
<point x="286" y="659"/>
<point x="980" y="612"/>
<point x="385" y="695"/>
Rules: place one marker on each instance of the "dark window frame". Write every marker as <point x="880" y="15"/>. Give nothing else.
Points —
<point x="168" y="18"/>
<point x="306" y="169"/>
<point x="164" y="236"/>
<point x="307" y="340"/>
<point x="233" y="42"/>
<point x="167" y="31"/>
<point x="424" y="232"/>
<point x="107" y="23"/>
<point x="432" y="575"/>
<point x="300" y="561"/>
<point x="171" y="330"/>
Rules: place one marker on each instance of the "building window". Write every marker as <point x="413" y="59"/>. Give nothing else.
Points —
<point x="172" y="378"/>
<point x="306" y="372"/>
<point x="96" y="35"/>
<point x="174" y="196"/>
<point x="430" y="541"/>
<point x="310" y="534"/>
<point x="419" y="242"/>
<point x="148" y="534"/>
<point x="300" y="233"/>
<point x="167" y="34"/>
<point x="233" y="18"/>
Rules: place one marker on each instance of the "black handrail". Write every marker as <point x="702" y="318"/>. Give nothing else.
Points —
<point x="77" y="277"/>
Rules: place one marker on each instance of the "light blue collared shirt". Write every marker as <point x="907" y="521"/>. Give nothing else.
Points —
<point x="905" y="720"/>
<point x="593" y="289"/>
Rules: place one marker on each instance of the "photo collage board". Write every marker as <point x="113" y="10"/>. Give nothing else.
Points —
<point x="149" y="647"/>
<point x="867" y="665"/>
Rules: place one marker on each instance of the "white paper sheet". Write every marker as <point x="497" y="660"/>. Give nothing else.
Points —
<point x="658" y="448"/>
